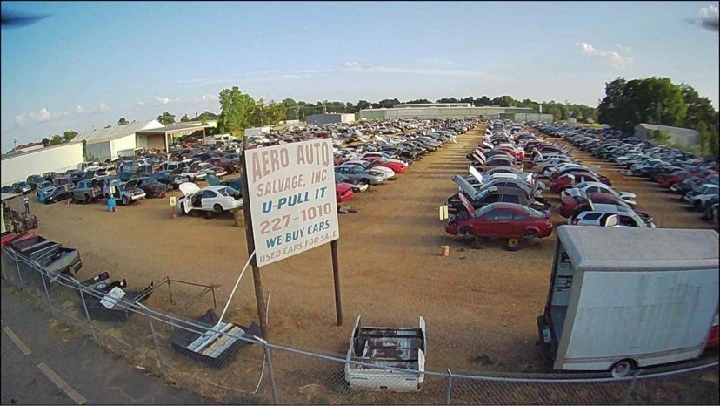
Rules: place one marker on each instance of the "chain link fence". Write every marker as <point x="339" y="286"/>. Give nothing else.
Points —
<point x="231" y="364"/>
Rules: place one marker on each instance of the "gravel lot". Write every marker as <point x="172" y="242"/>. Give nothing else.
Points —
<point x="479" y="305"/>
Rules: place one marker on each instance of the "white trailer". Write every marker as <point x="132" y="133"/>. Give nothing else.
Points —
<point x="625" y="298"/>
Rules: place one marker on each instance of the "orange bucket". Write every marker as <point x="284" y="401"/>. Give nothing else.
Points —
<point x="445" y="250"/>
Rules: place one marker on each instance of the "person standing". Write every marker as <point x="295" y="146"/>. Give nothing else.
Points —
<point x="26" y="201"/>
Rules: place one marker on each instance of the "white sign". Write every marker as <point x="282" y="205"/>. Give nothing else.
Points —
<point x="293" y="205"/>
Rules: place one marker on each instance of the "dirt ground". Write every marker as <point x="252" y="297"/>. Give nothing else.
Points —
<point x="480" y="306"/>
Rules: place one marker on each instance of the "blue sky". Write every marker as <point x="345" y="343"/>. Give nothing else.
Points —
<point x="92" y="63"/>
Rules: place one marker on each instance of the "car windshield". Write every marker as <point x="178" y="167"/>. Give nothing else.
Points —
<point x="227" y="191"/>
<point x="533" y="212"/>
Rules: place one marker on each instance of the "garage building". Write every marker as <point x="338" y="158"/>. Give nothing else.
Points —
<point x="110" y="143"/>
<point x="331" y="118"/>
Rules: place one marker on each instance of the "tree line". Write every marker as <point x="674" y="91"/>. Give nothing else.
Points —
<point x="657" y="100"/>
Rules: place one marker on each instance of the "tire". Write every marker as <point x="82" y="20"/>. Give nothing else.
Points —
<point x="87" y="198"/>
<point x="217" y="209"/>
<point x="364" y="182"/>
<point x="530" y="235"/>
<point x="125" y="201"/>
<point x="512" y="245"/>
<point x="622" y="368"/>
<point x="467" y="234"/>
<point x="162" y="195"/>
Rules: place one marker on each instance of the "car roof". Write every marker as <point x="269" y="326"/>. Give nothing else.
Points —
<point x="505" y="205"/>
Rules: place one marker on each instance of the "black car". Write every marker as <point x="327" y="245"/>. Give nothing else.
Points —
<point x="153" y="187"/>
<point x="33" y="181"/>
<point x="57" y="193"/>
<point x="169" y="178"/>
<point x="6" y="189"/>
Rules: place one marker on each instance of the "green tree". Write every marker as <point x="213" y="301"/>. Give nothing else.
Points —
<point x="483" y="101"/>
<point x="56" y="140"/>
<point x="362" y="105"/>
<point x="237" y="108"/>
<point x="267" y="113"/>
<point x="69" y="135"/>
<point x="185" y="118"/>
<point x="166" y="118"/>
<point x="122" y="121"/>
<point x="661" y="137"/>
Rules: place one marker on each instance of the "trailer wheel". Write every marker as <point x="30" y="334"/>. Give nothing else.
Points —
<point x="622" y="368"/>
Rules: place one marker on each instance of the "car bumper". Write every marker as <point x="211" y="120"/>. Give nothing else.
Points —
<point x="343" y="197"/>
<point x="137" y="196"/>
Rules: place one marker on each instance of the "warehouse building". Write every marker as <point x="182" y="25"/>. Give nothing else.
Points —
<point x="681" y="136"/>
<point x="331" y="118"/>
<point x="109" y="143"/>
<point x="443" y="111"/>
<point x="56" y="158"/>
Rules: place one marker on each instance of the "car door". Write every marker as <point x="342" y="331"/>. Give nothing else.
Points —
<point x="208" y="200"/>
<point x="498" y="223"/>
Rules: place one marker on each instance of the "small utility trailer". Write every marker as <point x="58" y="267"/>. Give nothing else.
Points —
<point x="625" y="298"/>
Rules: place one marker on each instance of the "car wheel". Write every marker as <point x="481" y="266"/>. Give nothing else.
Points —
<point x="467" y="234"/>
<point x="218" y="209"/>
<point x="87" y="198"/>
<point x="364" y="182"/>
<point x="125" y="201"/>
<point x="530" y="235"/>
<point x="512" y="245"/>
<point x="162" y="195"/>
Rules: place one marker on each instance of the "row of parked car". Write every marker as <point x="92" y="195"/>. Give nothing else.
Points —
<point x="694" y="180"/>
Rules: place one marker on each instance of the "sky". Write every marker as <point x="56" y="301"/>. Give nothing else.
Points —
<point x="90" y="63"/>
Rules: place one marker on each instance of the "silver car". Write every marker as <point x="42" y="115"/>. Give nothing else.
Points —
<point x="362" y="175"/>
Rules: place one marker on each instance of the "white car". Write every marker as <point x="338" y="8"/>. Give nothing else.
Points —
<point x="595" y="218"/>
<point x="626" y="217"/>
<point x="389" y="173"/>
<point x="706" y="193"/>
<point x="554" y="161"/>
<point x="597" y="187"/>
<point x="217" y="199"/>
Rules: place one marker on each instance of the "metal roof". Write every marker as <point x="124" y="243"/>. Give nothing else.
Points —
<point x="668" y="128"/>
<point x="644" y="249"/>
<point x="112" y="133"/>
<point x="177" y="127"/>
<point x="8" y="196"/>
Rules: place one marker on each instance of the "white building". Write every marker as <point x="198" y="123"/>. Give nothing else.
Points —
<point x="109" y="143"/>
<point x="331" y="118"/>
<point x="682" y="136"/>
<point x="56" y="158"/>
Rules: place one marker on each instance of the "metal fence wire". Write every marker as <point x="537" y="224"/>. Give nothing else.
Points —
<point x="231" y="367"/>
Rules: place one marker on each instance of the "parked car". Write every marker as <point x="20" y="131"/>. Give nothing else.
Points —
<point x="153" y="187"/>
<point x="702" y="196"/>
<point x="87" y="191"/>
<point x="55" y="194"/>
<point x="508" y="221"/>
<point x="214" y="199"/>
<point x="343" y="191"/>
<point x="362" y="175"/>
<point x="570" y="180"/>
<point x="357" y="187"/>
<point x="595" y="218"/>
<point x="170" y="178"/>
<point x="33" y="181"/>
<point x="126" y="193"/>
<point x="389" y="174"/>
<point x="227" y="165"/>
<point x="21" y="187"/>
<point x="598" y="187"/>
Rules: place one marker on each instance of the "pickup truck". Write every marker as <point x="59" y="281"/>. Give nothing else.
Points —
<point x="399" y="354"/>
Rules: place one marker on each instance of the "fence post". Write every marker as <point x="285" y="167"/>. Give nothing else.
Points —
<point x="273" y="388"/>
<point x="87" y="314"/>
<point x="448" y="387"/>
<point x="47" y="293"/>
<point x="157" y="347"/>
<point x="631" y="387"/>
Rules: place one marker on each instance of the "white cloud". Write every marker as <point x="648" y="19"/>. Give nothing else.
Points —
<point x="103" y="108"/>
<point x="79" y="109"/>
<point x="209" y="98"/>
<point x="358" y="67"/>
<point x="140" y="103"/>
<point x="613" y="57"/>
<point x="440" y="62"/>
<point x="161" y="101"/>
<point x="624" y="49"/>
<point x="41" y="116"/>
<point x="708" y="18"/>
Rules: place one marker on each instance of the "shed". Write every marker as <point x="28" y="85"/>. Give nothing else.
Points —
<point x="330" y="118"/>
<point x="682" y="136"/>
<point x="163" y="136"/>
<point x="109" y="143"/>
<point x="55" y="158"/>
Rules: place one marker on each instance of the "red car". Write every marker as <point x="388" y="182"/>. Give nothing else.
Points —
<point x="570" y="200"/>
<point x="501" y="220"/>
<point x="395" y="166"/>
<point x="515" y="153"/>
<point x="226" y="164"/>
<point x="343" y="191"/>
<point x="568" y="180"/>
<point x="667" y="182"/>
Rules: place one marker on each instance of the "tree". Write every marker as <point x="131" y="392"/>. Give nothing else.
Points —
<point x="69" y="135"/>
<point x="267" y="113"/>
<point x="362" y="105"/>
<point x="419" y="101"/>
<point x="185" y="118"/>
<point x="237" y="111"/>
<point x="56" y="140"/>
<point x="122" y="121"/>
<point x="483" y="101"/>
<point x="166" y="118"/>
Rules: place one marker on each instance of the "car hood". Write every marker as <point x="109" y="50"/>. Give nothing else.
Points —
<point x="477" y="175"/>
<point x="343" y="187"/>
<point x="132" y="183"/>
<point x="188" y="188"/>
<point x="465" y="186"/>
